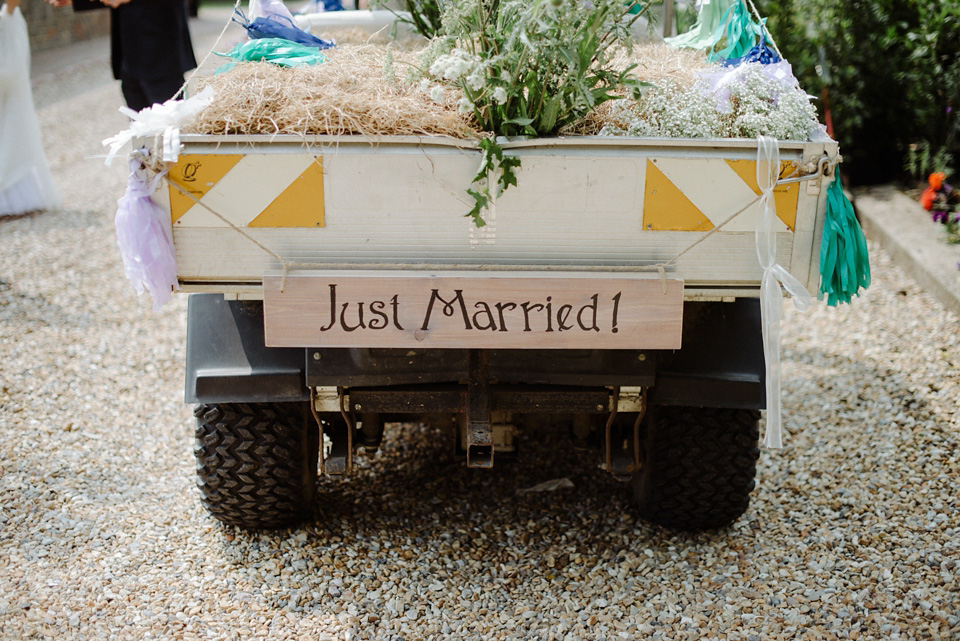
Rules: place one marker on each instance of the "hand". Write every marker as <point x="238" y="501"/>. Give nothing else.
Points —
<point x="59" y="3"/>
<point x="113" y="4"/>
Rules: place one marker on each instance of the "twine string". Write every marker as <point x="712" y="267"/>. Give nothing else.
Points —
<point x="764" y="26"/>
<point x="182" y="90"/>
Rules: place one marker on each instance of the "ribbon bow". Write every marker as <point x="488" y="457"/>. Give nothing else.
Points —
<point x="774" y="275"/>
<point x="166" y="119"/>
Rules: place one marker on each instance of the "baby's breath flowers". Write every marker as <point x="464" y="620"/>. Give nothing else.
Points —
<point x="744" y="102"/>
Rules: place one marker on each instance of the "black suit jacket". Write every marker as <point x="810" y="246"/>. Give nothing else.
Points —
<point x="86" y="5"/>
<point x="150" y="40"/>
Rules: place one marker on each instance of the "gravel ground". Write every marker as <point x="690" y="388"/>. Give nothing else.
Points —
<point x="853" y="531"/>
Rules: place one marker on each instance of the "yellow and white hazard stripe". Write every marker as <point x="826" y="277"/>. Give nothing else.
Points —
<point x="248" y="190"/>
<point x="287" y="190"/>
<point x="685" y="194"/>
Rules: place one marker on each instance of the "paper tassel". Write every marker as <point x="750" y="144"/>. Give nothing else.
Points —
<point x="761" y="53"/>
<point x="146" y="240"/>
<point x="278" y="51"/>
<point x="740" y="31"/>
<point x="158" y="119"/>
<point x="709" y="20"/>
<point x="279" y="26"/>
<point x="844" y="260"/>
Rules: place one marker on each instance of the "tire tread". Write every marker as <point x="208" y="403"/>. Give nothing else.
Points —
<point x="256" y="463"/>
<point x="698" y="468"/>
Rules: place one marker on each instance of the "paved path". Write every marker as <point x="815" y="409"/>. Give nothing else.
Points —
<point x="904" y="229"/>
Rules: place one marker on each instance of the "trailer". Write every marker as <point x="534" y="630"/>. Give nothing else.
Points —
<point x="336" y="289"/>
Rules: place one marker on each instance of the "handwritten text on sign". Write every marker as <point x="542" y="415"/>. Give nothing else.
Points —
<point x="507" y="311"/>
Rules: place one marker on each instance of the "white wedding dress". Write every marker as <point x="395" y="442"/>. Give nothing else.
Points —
<point x="25" y="181"/>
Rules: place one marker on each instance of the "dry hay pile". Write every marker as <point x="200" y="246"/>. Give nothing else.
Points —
<point x="383" y="37"/>
<point x="347" y="94"/>
<point x="351" y="94"/>
<point x="658" y="63"/>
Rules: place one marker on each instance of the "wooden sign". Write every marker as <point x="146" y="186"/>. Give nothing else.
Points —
<point x="515" y="310"/>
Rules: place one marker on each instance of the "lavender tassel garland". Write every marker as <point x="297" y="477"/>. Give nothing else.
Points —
<point x="145" y="241"/>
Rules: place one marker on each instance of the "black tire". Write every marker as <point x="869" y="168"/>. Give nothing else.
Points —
<point x="257" y="463"/>
<point x="697" y="466"/>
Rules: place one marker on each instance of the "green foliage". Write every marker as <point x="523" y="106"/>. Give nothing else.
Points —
<point x="426" y="16"/>
<point x="952" y="232"/>
<point x="492" y="163"/>
<point x="786" y="20"/>
<point x="529" y="68"/>
<point x="686" y="16"/>
<point x="923" y="161"/>
<point x="891" y="69"/>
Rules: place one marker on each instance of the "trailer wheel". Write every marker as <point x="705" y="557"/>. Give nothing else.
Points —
<point x="257" y="463"/>
<point x="697" y="466"/>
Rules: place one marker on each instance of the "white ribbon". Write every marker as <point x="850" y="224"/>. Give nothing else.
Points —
<point x="774" y="275"/>
<point x="171" y="144"/>
<point x="163" y="119"/>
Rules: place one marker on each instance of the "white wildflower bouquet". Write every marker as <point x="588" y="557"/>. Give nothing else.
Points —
<point x="528" y="68"/>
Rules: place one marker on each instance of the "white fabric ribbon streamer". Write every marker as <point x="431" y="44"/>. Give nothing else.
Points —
<point x="145" y="239"/>
<point x="171" y="144"/>
<point x="163" y="119"/>
<point x="774" y="275"/>
<point x="25" y="180"/>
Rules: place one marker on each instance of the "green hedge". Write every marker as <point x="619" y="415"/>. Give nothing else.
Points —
<point x="891" y="71"/>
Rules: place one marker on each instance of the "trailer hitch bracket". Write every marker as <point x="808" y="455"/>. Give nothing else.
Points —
<point x="479" y="432"/>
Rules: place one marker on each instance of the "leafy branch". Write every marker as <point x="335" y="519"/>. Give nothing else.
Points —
<point x="493" y="162"/>
<point x="530" y="68"/>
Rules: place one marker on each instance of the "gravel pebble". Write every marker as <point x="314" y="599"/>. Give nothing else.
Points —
<point x="853" y="532"/>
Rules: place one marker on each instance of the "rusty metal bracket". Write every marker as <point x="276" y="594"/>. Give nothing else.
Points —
<point x="622" y="463"/>
<point x="339" y="460"/>
<point x="636" y="431"/>
<point x="479" y="432"/>
<point x="314" y="401"/>
<point x="608" y="434"/>
<point x="348" y="422"/>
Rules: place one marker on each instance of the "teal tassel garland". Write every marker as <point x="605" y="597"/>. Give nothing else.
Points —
<point x="741" y="33"/>
<point x="844" y="261"/>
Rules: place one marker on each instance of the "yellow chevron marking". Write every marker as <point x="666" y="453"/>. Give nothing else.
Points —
<point x="197" y="174"/>
<point x="666" y="208"/>
<point x="785" y="197"/>
<point x="299" y="205"/>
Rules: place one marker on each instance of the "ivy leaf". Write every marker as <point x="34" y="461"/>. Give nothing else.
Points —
<point x="507" y="174"/>
<point x="480" y="202"/>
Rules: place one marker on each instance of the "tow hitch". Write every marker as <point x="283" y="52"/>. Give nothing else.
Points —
<point x="621" y="442"/>
<point x="479" y="433"/>
<point x="486" y="412"/>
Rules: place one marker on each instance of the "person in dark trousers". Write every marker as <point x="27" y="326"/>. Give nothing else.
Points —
<point x="150" y="47"/>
